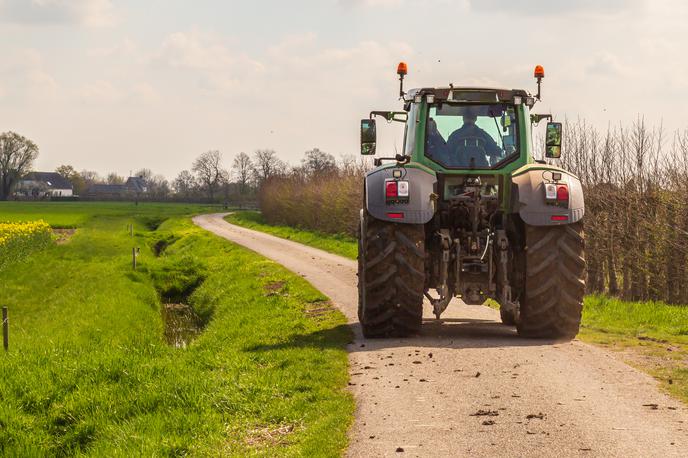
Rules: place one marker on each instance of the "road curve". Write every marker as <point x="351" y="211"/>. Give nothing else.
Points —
<point x="468" y="386"/>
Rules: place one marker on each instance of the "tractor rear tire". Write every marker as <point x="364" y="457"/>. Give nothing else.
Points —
<point x="391" y="277"/>
<point x="552" y="302"/>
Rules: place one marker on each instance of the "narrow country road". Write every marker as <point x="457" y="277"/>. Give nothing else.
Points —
<point x="468" y="386"/>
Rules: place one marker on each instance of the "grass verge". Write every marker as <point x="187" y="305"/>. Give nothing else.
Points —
<point x="650" y="336"/>
<point x="89" y="372"/>
<point x="342" y="245"/>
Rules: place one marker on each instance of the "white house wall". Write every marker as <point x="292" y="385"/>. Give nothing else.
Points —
<point x="61" y="192"/>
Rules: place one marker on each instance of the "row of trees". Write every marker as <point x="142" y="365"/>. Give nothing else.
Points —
<point x="207" y="179"/>
<point x="635" y="181"/>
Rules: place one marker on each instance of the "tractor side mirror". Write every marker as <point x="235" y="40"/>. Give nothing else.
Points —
<point x="553" y="140"/>
<point x="368" y="137"/>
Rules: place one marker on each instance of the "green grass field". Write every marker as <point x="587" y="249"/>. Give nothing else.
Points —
<point x="74" y="214"/>
<point x="340" y="244"/>
<point x="89" y="372"/>
<point x="644" y="329"/>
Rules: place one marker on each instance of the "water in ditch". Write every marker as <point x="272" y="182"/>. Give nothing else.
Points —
<point x="181" y="324"/>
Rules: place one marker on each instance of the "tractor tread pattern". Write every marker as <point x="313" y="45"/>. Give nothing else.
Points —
<point x="391" y="278"/>
<point x="552" y="304"/>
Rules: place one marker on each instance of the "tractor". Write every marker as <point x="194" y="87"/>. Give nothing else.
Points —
<point x="467" y="211"/>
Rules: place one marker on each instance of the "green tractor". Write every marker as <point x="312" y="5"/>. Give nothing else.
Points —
<point x="467" y="211"/>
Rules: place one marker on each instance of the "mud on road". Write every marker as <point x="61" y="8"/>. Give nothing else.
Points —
<point x="468" y="386"/>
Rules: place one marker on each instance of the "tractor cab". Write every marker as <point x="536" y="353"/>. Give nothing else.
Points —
<point x="468" y="128"/>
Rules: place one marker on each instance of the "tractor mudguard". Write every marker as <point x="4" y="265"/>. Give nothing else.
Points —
<point x="420" y="207"/>
<point x="528" y="197"/>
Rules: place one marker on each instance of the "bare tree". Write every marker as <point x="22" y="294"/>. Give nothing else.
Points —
<point x="209" y="172"/>
<point x="158" y="187"/>
<point x="90" y="178"/>
<point x="17" y="154"/>
<point x="243" y="168"/>
<point x="267" y="165"/>
<point x="184" y="184"/>
<point x="113" y="178"/>
<point x="145" y="174"/>
<point x="316" y="162"/>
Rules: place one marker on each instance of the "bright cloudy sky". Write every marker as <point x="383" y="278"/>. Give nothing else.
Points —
<point x="116" y="85"/>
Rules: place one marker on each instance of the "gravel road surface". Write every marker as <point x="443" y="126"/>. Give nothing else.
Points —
<point x="468" y="386"/>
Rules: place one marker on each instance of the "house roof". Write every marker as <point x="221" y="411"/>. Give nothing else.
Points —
<point x="136" y="184"/>
<point x="107" y="189"/>
<point x="52" y="179"/>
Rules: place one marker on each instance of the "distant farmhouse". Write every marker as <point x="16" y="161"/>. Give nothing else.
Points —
<point x="40" y="185"/>
<point x="134" y="187"/>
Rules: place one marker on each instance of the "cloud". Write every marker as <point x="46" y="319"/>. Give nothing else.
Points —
<point x="607" y="64"/>
<point x="126" y="48"/>
<point x="365" y="3"/>
<point x="100" y="92"/>
<point x="216" y="66"/>
<point x="552" y="7"/>
<point x="351" y="4"/>
<point x="203" y="51"/>
<point x="103" y="92"/>
<point x="24" y="71"/>
<point x="90" y="13"/>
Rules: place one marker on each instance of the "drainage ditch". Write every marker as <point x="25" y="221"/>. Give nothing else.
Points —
<point x="176" y="281"/>
<point x="181" y="323"/>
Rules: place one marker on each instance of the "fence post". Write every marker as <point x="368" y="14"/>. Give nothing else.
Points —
<point x="133" y="258"/>
<point x="5" y="329"/>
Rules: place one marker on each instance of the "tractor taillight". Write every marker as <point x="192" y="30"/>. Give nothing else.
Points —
<point x="396" y="190"/>
<point x="562" y="193"/>
<point x="391" y="189"/>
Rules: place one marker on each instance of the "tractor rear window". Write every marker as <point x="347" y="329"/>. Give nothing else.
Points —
<point x="471" y="136"/>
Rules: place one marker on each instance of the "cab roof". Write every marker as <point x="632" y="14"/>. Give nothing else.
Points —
<point x="468" y="94"/>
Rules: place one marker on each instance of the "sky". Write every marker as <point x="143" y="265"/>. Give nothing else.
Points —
<point x="118" y="85"/>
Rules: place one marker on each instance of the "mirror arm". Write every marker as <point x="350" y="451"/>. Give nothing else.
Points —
<point x="390" y="115"/>
<point x="536" y="118"/>
<point x="401" y="159"/>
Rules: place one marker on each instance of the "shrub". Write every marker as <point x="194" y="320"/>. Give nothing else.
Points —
<point x="327" y="203"/>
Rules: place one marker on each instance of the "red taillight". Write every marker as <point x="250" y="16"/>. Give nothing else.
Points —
<point x="391" y="189"/>
<point x="560" y="218"/>
<point x="398" y="215"/>
<point x="562" y="193"/>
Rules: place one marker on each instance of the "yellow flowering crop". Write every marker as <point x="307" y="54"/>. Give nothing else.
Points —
<point x="18" y="240"/>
